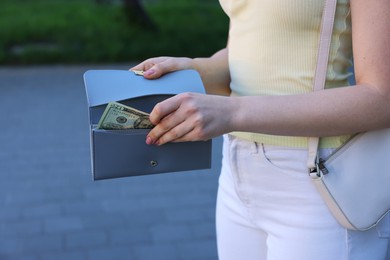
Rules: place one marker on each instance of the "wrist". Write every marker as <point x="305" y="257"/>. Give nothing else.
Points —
<point x="231" y="114"/>
<point x="195" y="64"/>
<point x="237" y="112"/>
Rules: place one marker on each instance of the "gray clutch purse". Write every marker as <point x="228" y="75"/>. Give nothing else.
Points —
<point x="124" y="153"/>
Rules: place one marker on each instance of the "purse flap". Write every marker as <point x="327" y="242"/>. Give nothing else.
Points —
<point x="103" y="86"/>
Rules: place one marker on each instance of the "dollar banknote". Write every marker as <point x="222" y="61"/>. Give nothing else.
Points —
<point x="117" y="116"/>
<point x="138" y="72"/>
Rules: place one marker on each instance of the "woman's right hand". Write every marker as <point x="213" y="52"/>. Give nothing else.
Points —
<point x="156" y="67"/>
<point x="213" y="70"/>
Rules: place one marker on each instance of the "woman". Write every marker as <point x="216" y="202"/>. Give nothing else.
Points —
<point x="267" y="207"/>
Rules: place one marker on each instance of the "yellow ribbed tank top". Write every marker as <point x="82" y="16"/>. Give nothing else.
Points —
<point x="273" y="51"/>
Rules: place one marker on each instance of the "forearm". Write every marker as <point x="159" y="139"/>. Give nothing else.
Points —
<point x="215" y="72"/>
<point x="339" y="111"/>
<point x="325" y="113"/>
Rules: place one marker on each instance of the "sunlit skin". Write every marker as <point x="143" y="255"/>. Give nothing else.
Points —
<point x="345" y="110"/>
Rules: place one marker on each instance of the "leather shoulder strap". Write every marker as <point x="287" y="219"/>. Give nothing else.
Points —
<point x="321" y="69"/>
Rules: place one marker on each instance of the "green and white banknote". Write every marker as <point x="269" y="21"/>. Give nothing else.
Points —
<point x="117" y="116"/>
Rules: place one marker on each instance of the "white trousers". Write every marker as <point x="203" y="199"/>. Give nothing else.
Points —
<point x="267" y="208"/>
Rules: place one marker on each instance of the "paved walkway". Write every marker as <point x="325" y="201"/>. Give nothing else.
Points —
<point x="51" y="209"/>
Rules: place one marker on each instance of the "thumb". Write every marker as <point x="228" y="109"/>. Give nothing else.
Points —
<point x="154" y="72"/>
<point x="151" y="73"/>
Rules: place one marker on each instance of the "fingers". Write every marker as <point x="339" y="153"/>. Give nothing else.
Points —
<point x="168" y="119"/>
<point x="171" y="128"/>
<point x="163" y="109"/>
<point x="147" y="67"/>
<point x="156" y="67"/>
<point x="160" y="66"/>
<point x="164" y="119"/>
<point x="190" y="117"/>
<point x="181" y="133"/>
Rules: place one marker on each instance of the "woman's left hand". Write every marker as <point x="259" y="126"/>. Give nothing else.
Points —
<point x="190" y="117"/>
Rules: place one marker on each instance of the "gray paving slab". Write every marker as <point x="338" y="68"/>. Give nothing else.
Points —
<point x="51" y="209"/>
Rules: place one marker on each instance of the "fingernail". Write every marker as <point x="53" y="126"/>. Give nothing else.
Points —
<point x="149" y="140"/>
<point x="149" y="72"/>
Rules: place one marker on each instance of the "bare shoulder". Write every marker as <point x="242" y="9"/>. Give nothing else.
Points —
<point x="371" y="41"/>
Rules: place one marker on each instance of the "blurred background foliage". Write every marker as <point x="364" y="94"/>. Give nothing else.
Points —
<point x="101" y="31"/>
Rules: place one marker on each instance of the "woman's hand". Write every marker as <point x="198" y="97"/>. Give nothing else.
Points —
<point x="156" y="67"/>
<point x="190" y="117"/>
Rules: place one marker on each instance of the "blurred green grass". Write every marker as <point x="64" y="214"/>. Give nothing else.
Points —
<point x="81" y="31"/>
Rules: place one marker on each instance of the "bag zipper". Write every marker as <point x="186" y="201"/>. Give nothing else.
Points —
<point x="322" y="161"/>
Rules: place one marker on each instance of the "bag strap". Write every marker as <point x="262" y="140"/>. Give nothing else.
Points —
<point x="321" y="69"/>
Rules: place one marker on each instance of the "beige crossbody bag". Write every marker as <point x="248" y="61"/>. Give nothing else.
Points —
<point x="354" y="181"/>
